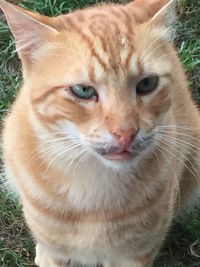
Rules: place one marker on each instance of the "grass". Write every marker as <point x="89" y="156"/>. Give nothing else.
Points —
<point x="16" y="246"/>
<point x="182" y="247"/>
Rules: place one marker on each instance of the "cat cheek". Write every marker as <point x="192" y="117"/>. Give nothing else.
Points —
<point x="159" y="106"/>
<point x="71" y="130"/>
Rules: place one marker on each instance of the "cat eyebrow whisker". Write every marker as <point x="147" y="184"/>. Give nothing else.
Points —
<point x="150" y="62"/>
<point x="147" y="49"/>
<point x="147" y="60"/>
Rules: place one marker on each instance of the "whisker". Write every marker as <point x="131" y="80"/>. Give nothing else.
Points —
<point x="74" y="159"/>
<point x="147" y="50"/>
<point x="42" y="144"/>
<point x="173" y="172"/>
<point x="64" y="134"/>
<point x="150" y="53"/>
<point x="181" y="161"/>
<point x="64" y="151"/>
<point x="81" y="161"/>
<point x="179" y="126"/>
<point x="187" y="148"/>
<point x="180" y="134"/>
<point x="188" y="145"/>
<point x="51" y="162"/>
<point x="40" y="151"/>
<point x="150" y="62"/>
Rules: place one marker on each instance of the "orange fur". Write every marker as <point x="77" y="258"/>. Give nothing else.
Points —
<point x="79" y="204"/>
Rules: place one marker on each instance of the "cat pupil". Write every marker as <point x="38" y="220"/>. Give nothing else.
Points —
<point x="86" y="89"/>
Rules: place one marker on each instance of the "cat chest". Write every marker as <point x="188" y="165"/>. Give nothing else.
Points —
<point x="95" y="231"/>
<point x="75" y="233"/>
<point x="96" y="240"/>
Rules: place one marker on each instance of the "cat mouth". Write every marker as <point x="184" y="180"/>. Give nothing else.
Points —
<point x="123" y="155"/>
<point x="115" y="153"/>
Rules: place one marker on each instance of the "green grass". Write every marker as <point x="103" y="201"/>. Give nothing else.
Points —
<point x="182" y="247"/>
<point x="16" y="246"/>
<point x="188" y="42"/>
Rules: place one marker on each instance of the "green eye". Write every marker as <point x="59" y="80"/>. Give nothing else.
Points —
<point x="83" y="92"/>
<point x="147" y="85"/>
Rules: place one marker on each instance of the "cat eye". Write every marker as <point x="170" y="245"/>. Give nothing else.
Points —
<point x="147" y="85"/>
<point x="84" y="92"/>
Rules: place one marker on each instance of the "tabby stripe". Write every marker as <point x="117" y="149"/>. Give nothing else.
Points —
<point x="45" y="95"/>
<point x="92" y="215"/>
<point x="80" y="17"/>
<point x="128" y="59"/>
<point x="140" y="66"/>
<point x="43" y="237"/>
<point x="94" y="31"/>
<point x="112" y="28"/>
<point x="42" y="120"/>
<point x="115" y="13"/>
<point x="92" y="75"/>
<point x="98" y="15"/>
<point x="128" y="22"/>
<point x="89" y="42"/>
<point x="52" y="118"/>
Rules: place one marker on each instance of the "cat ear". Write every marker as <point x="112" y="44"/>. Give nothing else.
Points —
<point x="159" y="14"/>
<point x="158" y="11"/>
<point x="162" y="21"/>
<point x="31" y="35"/>
<point x="166" y="14"/>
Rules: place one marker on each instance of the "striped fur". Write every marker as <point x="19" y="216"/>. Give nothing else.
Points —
<point x="79" y="205"/>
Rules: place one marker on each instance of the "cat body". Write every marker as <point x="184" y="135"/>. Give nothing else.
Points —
<point x="102" y="140"/>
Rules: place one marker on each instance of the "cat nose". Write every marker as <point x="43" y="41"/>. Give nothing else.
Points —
<point x="125" y="137"/>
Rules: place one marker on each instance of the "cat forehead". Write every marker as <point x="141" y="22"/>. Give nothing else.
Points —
<point x="107" y="34"/>
<point x="109" y="41"/>
<point x="108" y="29"/>
<point x="107" y="26"/>
<point x="96" y="21"/>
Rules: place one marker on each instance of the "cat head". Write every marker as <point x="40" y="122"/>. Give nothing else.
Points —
<point x="101" y="77"/>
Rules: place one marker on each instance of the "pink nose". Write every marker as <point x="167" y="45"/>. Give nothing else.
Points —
<point x="125" y="137"/>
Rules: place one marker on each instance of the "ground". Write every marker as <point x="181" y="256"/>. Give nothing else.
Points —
<point x="182" y="247"/>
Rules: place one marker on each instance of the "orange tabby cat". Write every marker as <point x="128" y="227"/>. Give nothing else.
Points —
<point x="102" y="141"/>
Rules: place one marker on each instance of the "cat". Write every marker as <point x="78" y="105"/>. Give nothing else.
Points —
<point x="101" y="143"/>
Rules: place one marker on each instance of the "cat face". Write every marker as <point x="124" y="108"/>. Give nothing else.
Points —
<point x="102" y="77"/>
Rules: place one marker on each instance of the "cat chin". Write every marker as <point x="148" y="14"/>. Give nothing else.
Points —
<point x="121" y="166"/>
